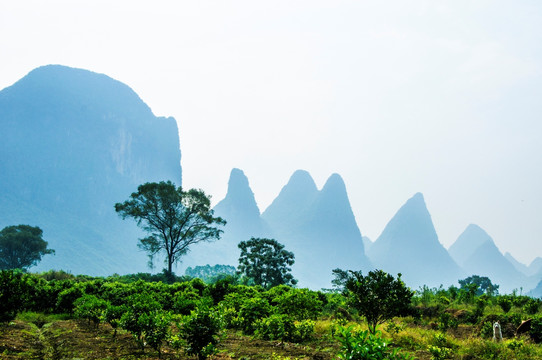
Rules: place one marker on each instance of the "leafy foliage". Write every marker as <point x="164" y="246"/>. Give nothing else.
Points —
<point x="13" y="289"/>
<point x="300" y="304"/>
<point x="175" y="219"/>
<point x="200" y="331"/>
<point x="283" y="327"/>
<point x="266" y="262"/>
<point x="90" y="307"/>
<point x="484" y="285"/>
<point x="362" y="345"/>
<point x="21" y="247"/>
<point x="378" y="296"/>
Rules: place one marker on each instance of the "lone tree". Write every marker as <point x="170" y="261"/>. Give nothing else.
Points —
<point x="21" y="247"/>
<point x="266" y="262"/>
<point x="377" y="296"/>
<point x="479" y="285"/>
<point x="174" y="218"/>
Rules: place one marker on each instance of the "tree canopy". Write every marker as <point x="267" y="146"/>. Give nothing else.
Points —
<point x="266" y="262"/>
<point x="175" y="219"/>
<point x="481" y="284"/>
<point x="21" y="247"/>
<point x="377" y="296"/>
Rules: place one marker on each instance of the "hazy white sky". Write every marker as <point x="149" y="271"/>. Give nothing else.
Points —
<point x="440" y="97"/>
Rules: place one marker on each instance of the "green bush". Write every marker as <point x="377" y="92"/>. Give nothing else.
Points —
<point x="536" y="329"/>
<point x="13" y="291"/>
<point x="531" y="307"/>
<point x="300" y="304"/>
<point x="66" y="299"/>
<point x="439" y="353"/>
<point x="134" y="320"/>
<point x="185" y="301"/>
<point x="155" y="327"/>
<point x="90" y="307"/>
<point x="199" y="332"/>
<point x="446" y="321"/>
<point x="112" y="315"/>
<point x="283" y="327"/>
<point x="251" y="310"/>
<point x="362" y="345"/>
<point x="504" y="303"/>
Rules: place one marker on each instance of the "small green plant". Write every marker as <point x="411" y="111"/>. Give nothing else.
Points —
<point x="393" y="328"/>
<point x="155" y="326"/>
<point x="90" y="307"/>
<point x="536" y="329"/>
<point x="505" y="304"/>
<point x="252" y="310"/>
<point x="112" y="315"/>
<point x="515" y="344"/>
<point x="135" y="317"/>
<point x="283" y="327"/>
<point x="439" y="353"/>
<point x="532" y="306"/>
<point x="361" y="345"/>
<point x="446" y="321"/>
<point x="200" y="333"/>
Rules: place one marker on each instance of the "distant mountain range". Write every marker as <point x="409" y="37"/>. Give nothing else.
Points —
<point x="76" y="142"/>
<point x="73" y="144"/>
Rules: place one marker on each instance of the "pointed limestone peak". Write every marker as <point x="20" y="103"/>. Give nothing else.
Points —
<point x="535" y="266"/>
<point x="296" y="195"/>
<point x="411" y="220"/>
<point x="409" y="244"/>
<point x="300" y="180"/>
<point x="468" y="242"/>
<point x="334" y="182"/>
<point x="239" y="195"/>
<point x="333" y="200"/>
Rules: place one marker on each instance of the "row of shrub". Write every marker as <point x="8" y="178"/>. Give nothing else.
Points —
<point x="156" y="313"/>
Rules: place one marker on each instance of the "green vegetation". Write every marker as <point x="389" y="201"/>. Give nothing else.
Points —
<point x="175" y="219"/>
<point x="378" y="296"/>
<point x="58" y="315"/>
<point x="21" y="247"/>
<point x="265" y="262"/>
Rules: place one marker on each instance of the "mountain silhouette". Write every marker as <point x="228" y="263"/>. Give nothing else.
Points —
<point x="319" y="227"/>
<point x="242" y="214"/>
<point x="74" y="143"/>
<point x="519" y="266"/>
<point x="409" y="245"/>
<point x="482" y="257"/>
<point x="467" y="243"/>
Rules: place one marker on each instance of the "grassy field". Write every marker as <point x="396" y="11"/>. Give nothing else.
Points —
<point x="38" y="336"/>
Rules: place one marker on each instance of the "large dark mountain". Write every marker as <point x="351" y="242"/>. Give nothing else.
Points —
<point x="319" y="227"/>
<point x="480" y="256"/>
<point x="409" y="245"/>
<point x="73" y="144"/>
<point x="242" y="214"/>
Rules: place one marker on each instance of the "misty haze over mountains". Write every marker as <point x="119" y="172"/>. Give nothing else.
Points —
<point x="76" y="142"/>
<point x="73" y="143"/>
